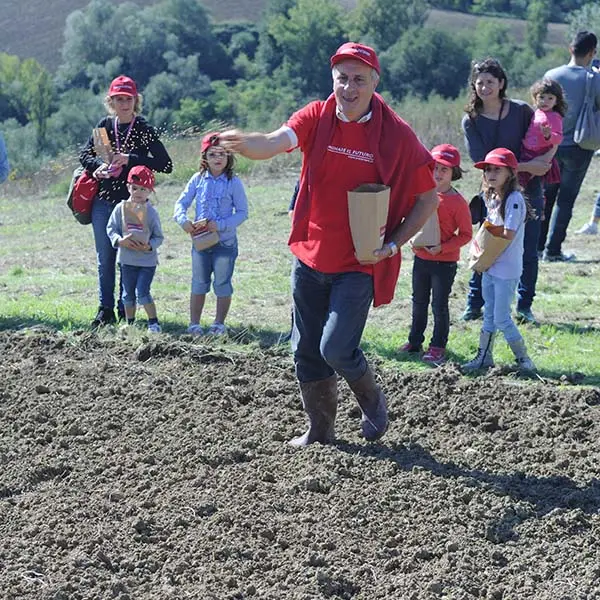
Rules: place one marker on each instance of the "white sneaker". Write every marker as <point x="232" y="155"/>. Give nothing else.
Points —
<point x="195" y="329"/>
<point x="589" y="229"/>
<point x="217" y="329"/>
<point x="154" y="328"/>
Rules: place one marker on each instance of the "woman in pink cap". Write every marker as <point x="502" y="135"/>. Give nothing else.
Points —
<point x="434" y="267"/>
<point x="506" y="213"/>
<point x="133" y="142"/>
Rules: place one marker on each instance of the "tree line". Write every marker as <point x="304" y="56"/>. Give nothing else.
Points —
<point x="193" y="71"/>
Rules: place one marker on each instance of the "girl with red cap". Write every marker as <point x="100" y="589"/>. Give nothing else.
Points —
<point x="221" y="206"/>
<point x="135" y="232"/>
<point x="506" y="213"/>
<point x="434" y="267"/>
<point x="133" y="142"/>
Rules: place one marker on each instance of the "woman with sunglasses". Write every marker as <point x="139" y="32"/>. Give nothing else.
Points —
<point x="492" y="120"/>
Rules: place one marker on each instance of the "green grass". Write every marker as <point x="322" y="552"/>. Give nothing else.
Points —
<point x="48" y="274"/>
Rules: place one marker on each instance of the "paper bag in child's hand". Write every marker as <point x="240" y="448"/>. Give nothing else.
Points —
<point x="485" y="249"/>
<point x="429" y="235"/>
<point x="203" y="238"/>
<point x="368" y="208"/>
<point x="135" y="221"/>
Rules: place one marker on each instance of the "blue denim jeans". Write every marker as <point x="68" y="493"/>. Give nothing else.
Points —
<point x="529" y="274"/>
<point x="596" y="213"/>
<point x="217" y="263"/>
<point x="498" y="295"/>
<point x="136" y="284"/>
<point x="431" y="279"/>
<point x="330" y="312"/>
<point x="560" y="197"/>
<point x="106" y="255"/>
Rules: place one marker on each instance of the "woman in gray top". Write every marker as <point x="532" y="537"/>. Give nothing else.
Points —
<point x="494" y="121"/>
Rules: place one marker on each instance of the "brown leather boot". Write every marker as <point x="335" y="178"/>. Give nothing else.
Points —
<point x="372" y="402"/>
<point x="320" y="404"/>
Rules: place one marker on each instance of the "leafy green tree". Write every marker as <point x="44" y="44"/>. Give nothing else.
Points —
<point x="587" y="17"/>
<point x="424" y="62"/>
<point x="493" y="39"/>
<point x="38" y="96"/>
<point x="70" y="125"/>
<point x="538" y="15"/>
<point x="102" y="41"/>
<point x="187" y="23"/>
<point x="269" y="54"/>
<point x="307" y="36"/>
<point x="382" y="22"/>
<point x="11" y="89"/>
<point x="27" y="93"/>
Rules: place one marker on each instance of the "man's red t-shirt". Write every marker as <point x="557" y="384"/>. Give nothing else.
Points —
<point x="348" y="163"/>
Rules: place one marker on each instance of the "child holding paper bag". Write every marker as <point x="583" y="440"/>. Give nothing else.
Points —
<point x="221" y="206"/>
<point x="434" y="266"/>
<point x="134" y="230"/>
<point x="507" y="211"/>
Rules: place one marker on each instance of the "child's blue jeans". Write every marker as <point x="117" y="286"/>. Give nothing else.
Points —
<point x="499" y="294"/>
<point x="216" y="262"/>
<point x="136" y="284"/>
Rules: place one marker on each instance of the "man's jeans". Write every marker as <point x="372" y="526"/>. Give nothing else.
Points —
<point x="431" y="278"/>
<point x="560" y="197"/>
<point x="106" y="254"/>
<point x="529" y="274"/>
<point x="330" y="312"/>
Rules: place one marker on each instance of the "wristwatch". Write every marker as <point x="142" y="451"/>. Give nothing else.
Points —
<point x="393" y="247"/>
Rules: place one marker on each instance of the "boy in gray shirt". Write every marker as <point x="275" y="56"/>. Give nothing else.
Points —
<point x="137" y="239"/>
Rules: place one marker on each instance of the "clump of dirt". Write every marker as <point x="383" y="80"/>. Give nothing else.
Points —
<point x="160" y="470"/>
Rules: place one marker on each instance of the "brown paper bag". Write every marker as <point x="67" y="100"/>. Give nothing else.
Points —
<point x="135" y="221"/>
<point x="368" y="211"/>
<point x="485" y="248"/>
<point x="429" y="235"/>
<point x="102" y="144"/>
<point x="204" y="239"/>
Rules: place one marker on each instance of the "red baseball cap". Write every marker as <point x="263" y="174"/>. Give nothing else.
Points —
<point x="209" y="140"/>
<point x="141" y="175"/>
<point x="123" y="86"/>
<point x="500" y="157"/>
<point x="353" y="50"/>
<point x="447" y="155"/>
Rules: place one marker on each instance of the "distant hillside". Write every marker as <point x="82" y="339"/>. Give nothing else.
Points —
<point x="35" y="28"/>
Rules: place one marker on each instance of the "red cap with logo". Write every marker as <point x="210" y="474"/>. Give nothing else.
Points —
<point x="353" y="50"/>
<point x="447" y="155"/>
<point x="141" y="175"/>
<point x="122" y="86"/>
<point x="500" y="157"/>
<point x="209" y="140"/>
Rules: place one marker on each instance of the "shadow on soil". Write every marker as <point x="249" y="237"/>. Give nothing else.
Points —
<point x="543" y="494"/>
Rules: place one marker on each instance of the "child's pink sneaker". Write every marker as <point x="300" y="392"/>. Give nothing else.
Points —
<point x="409" y="348"/>
<point x="434" y="356"/>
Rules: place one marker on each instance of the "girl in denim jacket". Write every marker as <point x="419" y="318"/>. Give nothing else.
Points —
<point x="220" y="207"/>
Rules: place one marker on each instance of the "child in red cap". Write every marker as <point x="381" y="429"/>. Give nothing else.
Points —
<point x="134" y="230"/>
<point x="507" y="211"/>
<point x="434" y="267"/>
<point x="221" y="206"/>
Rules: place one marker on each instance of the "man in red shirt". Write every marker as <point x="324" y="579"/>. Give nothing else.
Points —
<point x="350" y="139"/>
